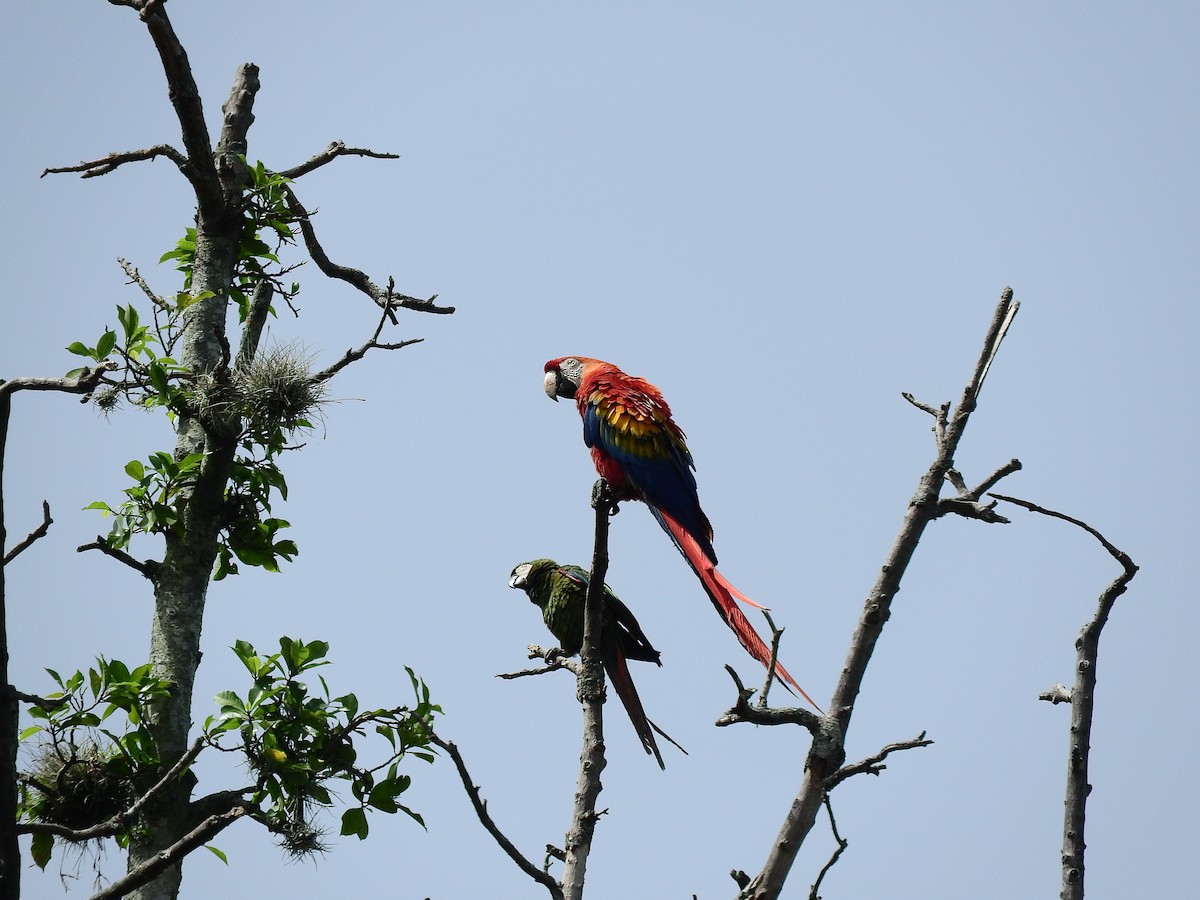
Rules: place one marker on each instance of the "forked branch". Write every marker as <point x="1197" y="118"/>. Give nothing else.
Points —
<point x="828" y="751"/>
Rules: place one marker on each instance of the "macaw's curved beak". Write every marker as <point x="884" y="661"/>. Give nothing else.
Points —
<point x="520" y="576"/>
<point x="550" y="384"/>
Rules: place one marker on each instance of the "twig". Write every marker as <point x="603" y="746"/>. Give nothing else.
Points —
<point x="872" y="765"/>
<point x="757" y="714"/>
<point x="96" y="167"/>
<point x="372" y="344"/>
<point x="1082" y="699"/>
<point x="386" y="299"/>
<point x="329" y="154"/>
<point x="967" y="504"/>
<point x="776" y="636"/>
<point x="135" y="277"/>
<point x="147" y="568"/>
<point x="37" y="533"/>
<point x="555" y="660"/>
<point x="842" y="844"/>
<point x="480" y="805"/>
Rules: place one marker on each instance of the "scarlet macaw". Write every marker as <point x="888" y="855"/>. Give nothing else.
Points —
<point x="560" y="592"/>
<point x="640" y="451"/>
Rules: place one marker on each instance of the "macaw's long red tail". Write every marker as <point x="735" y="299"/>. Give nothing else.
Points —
<point x="724" y="597"/>
<point x="618" y="674"/>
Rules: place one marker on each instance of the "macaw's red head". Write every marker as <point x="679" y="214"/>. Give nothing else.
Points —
<point x="564" y="375"/>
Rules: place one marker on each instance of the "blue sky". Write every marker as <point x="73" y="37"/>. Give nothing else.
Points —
<point x="782" y="214"/>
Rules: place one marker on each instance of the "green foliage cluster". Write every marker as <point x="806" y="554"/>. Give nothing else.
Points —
<point x="88" y="763"/>
<point x="259" y="407"/>
<point x="298" y="740"/>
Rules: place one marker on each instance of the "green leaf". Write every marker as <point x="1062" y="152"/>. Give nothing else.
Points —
<point x="105" y="345"/>
<point x="354" y="821"/>
<point x="29" y="732"/>
<point x="135" y="469"/>
<point x="81" y="349"/>
<point x="42" y="848"/>
<point x="217" y="853"/>
<point x="158" y="378"/>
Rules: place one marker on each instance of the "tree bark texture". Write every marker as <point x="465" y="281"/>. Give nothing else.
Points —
<point x="10" y="854"/>
<point x="181" y="582"/>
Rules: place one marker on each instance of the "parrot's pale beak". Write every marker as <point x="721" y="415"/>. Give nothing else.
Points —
<point x="519" y="577"/>
<point x="550" y="384"/>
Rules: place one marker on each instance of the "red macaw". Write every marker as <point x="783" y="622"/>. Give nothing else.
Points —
<point x="640" y="451"/>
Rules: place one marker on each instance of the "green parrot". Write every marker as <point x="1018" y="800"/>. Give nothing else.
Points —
<point x="560" y="592"/>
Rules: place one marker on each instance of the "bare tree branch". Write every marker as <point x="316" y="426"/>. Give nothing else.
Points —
<point x="842" y="844"/>
<point x="967" y="503"/>
<point x="1082" y="699"/>
<point x="776" y="637"/>
<point x="372" y="344"/>
<point x="146" y="568"/>
<point x="590" y="691"/>
<point x="873" y="764"/>
<point x="155" y="865"/>
<point x="756" y="714"/>
<point x="84" y="384"/>
<point x="96" y="167"/>
<point x="201" y="168"/>
<point x="555" y="660"/>
<point x="386" y="299"/>
<point x="828" y="751"/>
<point x="37" y="533"/>
<point x="498" y="836"/>
<point x="328" y="155"/>
<point x="135" y="277"/>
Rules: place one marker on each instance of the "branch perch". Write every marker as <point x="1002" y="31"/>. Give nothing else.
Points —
<point x="590" y="691"/>
<point x="1082" y="699"/>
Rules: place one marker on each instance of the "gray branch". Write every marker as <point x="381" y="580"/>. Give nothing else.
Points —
<point x="590" y="691"/>
<point x="353" y="356"/>
<point x="743" y="711"/>
<point x="146" y="568"/>
<point x="329" y="154"/>
<point x="96" y="167"/>
<point x="36" y="534"/>
<point x="160" y="862"/>
<point x="489" y="824"/>
<point x="386" y="299"/>
<point x="828" y="751"/>
<point x="873" y="764"/>
<point x="1082" y="699"/>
